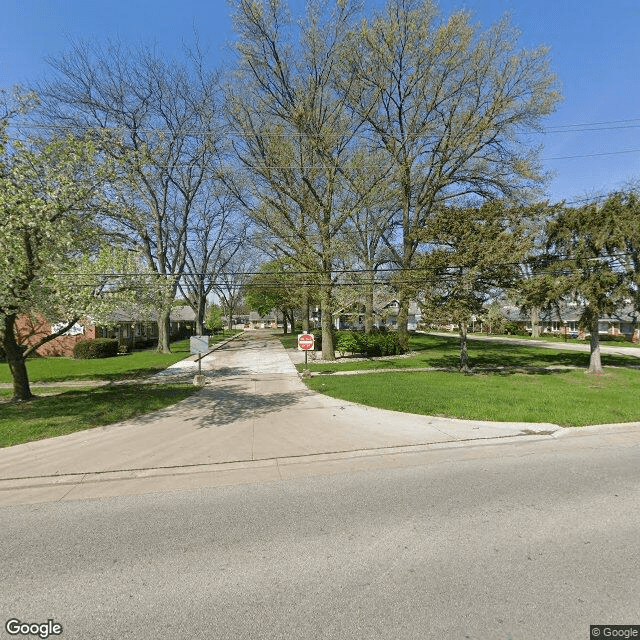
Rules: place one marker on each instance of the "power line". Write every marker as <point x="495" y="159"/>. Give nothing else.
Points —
<point x="593" y="155"/>
<point x="633" y="123"/>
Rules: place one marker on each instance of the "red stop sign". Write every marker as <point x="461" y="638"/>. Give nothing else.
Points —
<point x="305" y="341"/>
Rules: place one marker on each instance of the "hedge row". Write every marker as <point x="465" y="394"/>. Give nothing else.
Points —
<point x="369" y="344"/>
<point x="608" y="337"/>
<point x="98" y="348"/>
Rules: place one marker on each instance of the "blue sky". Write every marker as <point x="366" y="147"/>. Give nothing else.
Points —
<point x="593" y="142"/>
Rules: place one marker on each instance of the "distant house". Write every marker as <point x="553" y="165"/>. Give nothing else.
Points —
<point x="566" y="320"/>
<point x="385" y="314"/>
<point x="271" y="320"/>
<point x="128" y="328"/>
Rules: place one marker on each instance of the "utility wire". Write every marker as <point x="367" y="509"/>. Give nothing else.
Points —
<point x="606" y="125"/>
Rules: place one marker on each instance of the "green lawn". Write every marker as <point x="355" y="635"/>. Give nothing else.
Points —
<point x="568" y="398"/>
<point x="77" y="409"/>
<point x="443" y="352"/>
<point x="123" y="367"/>
<point x="289" y="341"/>
<point x="523" y="391"/>
<point x="60" y="409"/>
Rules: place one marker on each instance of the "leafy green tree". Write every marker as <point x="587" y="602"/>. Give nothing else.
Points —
<point x="584" y="265"/>
<point x="277" y="286"/>
<point x="494" y="318"/>
<point x="213" y="318"/>
<point x="445" y="101"/>
<point x="476" y="252"/>
<point x="297" y="140"/>
<point x="621" y="217"/>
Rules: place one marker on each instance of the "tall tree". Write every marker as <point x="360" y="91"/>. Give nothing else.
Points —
<point x="446" y="101"/>
<point x="295" y="136"/>
<point x="535" y="291"/>
<point x="370" y="231"/>
<point x="578" y="242"/>
<point x="278" y="285"/>
<point x="233" y="277"/>
<point x="475" y="253"/>
<point x="161" y="118"/>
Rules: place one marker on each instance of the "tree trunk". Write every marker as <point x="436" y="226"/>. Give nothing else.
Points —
<point x="230" y="318"/>
<point x="328" y="352"/>
<point x="15" y="359"/>
<point x="403" y="320"/>
<point x="305" y="312"/>
<point x="464" y="353"/>
<point x="285" y="322"/>
<point x="164" y="330"/>
<point x="535" y="322"/>
<point x="200" y="311"/>
<point x="595" y="364"/>
<point x="368" y="306"/>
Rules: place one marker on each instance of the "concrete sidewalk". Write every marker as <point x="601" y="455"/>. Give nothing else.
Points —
<point x="253" y="419"/>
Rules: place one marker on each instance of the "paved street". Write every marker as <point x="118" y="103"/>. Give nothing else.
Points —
<point x="258" y="509"/>
<point x="253" y="421"/>
<point x="518" y="541"/>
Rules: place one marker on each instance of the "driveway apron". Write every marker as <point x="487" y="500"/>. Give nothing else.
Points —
<point x="253" y="407"/>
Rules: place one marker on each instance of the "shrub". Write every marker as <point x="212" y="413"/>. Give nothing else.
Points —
<point x="515" y="329"/>
<point x="607" y="337"/>
<point x="346" y="341"/>
<point x="369" y="344"/>
<point x="98" y="348"/>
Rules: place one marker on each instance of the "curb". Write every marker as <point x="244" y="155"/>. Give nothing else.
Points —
<point x="84" y="477"/>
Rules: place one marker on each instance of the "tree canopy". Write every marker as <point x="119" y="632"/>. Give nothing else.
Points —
<point x="50" y="191"/>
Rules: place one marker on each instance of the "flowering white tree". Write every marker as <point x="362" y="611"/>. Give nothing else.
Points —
<point x="50" y="244"/>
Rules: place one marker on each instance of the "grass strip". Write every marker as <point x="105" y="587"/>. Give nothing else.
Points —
<point x="443" y="352"/>
<point x="571" y="398"/>
<point x="78" y="409"/>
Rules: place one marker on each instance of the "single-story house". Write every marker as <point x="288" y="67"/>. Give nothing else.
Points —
<point x="271" y="320"/>
<point x="125" y="326"/>
<point x="566" y="320"/>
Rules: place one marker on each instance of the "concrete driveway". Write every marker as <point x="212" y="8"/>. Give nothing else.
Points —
<point x="254" y="420"/>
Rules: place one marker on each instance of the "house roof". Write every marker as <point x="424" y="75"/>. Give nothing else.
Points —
<point x="142" y="314"/>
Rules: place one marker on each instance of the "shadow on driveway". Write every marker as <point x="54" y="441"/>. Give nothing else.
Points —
<point x="222" y="405"/>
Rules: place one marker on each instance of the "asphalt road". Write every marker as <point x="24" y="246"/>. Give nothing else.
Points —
<point x="520" y="540"/>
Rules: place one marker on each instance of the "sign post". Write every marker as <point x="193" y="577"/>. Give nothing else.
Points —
<point x="306" y="343"/>
<point x="199" y="345"/>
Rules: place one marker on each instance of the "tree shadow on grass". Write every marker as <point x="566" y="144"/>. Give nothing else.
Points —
<point x="491" y="354"/>
<point x="221" y="405"/>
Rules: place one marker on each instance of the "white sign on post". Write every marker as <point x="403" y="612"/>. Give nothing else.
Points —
<point x="199" y="344"/>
